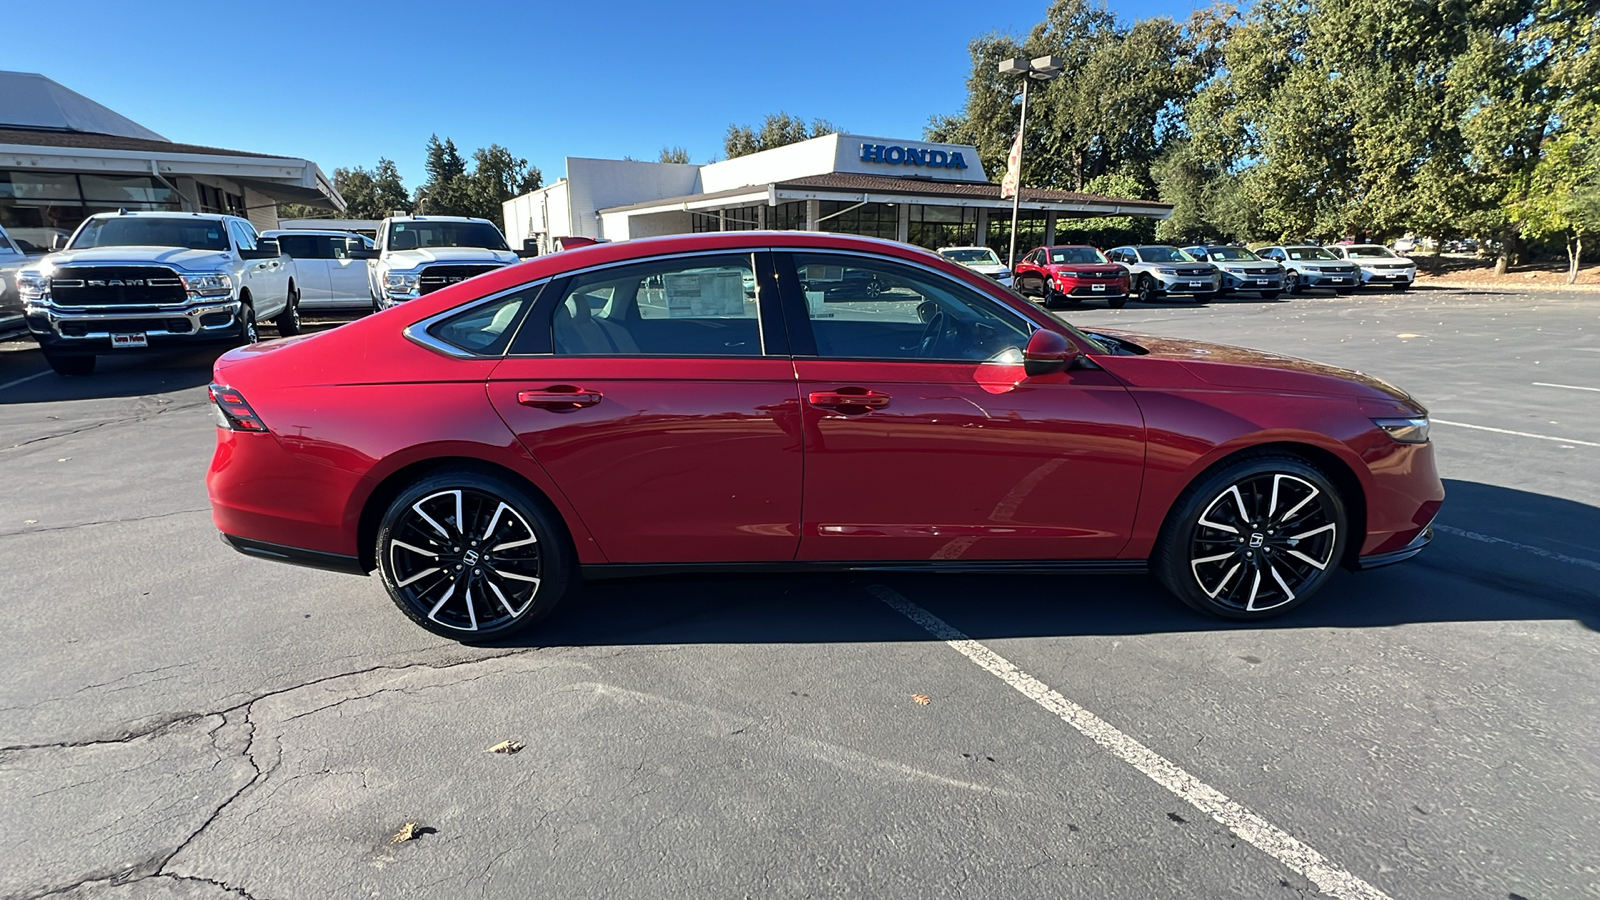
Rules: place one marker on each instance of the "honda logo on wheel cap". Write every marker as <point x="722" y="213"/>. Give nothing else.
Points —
<point x="1257" y="540"/>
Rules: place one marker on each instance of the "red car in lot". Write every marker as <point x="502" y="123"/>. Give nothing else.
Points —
<point x="1063" y="275"/>
<point x="793" y="402"/>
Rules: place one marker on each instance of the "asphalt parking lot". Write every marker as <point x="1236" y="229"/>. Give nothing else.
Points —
<point x="179" y="720"/>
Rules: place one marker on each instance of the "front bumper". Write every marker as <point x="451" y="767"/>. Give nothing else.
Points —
<point x="90" y="331"/>
<point x="1185" y="284"/>
<point x="1388" y="276"/>
<point x="1086" y="287"/>
<point x="1335" y="280"/>
<point x="1247" y="282"/>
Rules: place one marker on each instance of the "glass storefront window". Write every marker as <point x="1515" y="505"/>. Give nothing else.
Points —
<point x="789" y="216"/>
<point x="879" y="220"/>
<point x="1030" y="232"/>
<point x="38" y="206"/>
<point x="943" y="226"/>
<point x="737" y="218"/>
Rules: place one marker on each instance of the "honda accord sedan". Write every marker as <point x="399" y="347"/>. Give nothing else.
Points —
<point x="788" y="403"/>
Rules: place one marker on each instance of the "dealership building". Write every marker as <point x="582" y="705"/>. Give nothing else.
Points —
<point x="64" y="157"/>
<point x="932" y="195"/>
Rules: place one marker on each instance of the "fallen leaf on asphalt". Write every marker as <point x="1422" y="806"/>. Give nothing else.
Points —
<point x="30" y="521"/>
<point x="506" y="747"/>
<point x="922" y="699"/>
<point x="410" y="832"/>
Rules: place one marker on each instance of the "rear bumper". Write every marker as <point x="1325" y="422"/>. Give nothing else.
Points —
<point x="315" y="559"/>
<point x="1379" y="560"/>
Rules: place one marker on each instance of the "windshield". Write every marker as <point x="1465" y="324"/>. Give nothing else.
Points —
<point x="412" y="235"/>
<point x="1164" y="254"/>
<point x="148" y="231"/>
<point x="1308" y="253"/>
<point x="1231" y="254"/>
<point x="982" y="256"/>
<point x="1076" y="255"/>
<point x="1369" y="252"/>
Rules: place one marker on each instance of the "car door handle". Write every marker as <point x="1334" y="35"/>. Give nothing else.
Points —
<point x="849" y="398"/>
<point x="559" y="397"/>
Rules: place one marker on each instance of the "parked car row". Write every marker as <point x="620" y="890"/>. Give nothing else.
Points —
<point x="129" y="281"/>
<point x="1059" y="276"/>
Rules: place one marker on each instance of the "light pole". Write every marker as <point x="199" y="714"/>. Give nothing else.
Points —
<point x="1043" y="68"/>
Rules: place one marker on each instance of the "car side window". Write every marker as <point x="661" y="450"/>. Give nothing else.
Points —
<point x="245" y="239"/>
<point x="299" y="246"/>
<point x="863" y="308"/>
<point x="683" y="306"/>
<point x="487" y="329"/>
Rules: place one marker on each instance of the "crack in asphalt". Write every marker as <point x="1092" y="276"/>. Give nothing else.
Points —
<point x="176" y="512"/>
<point x="123" y="420"/>
<point x="155" y="867"/>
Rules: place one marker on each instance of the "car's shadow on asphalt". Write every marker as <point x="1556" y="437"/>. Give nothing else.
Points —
<point x="1458" y="579"/>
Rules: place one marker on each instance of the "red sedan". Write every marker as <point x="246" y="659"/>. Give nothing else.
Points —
<point x="796" y="402"/>
<point x="1062" y="275"/>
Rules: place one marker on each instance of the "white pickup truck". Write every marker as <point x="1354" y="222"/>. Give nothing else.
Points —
<point x="132" y="281"/>
<point x="417" y="255"/>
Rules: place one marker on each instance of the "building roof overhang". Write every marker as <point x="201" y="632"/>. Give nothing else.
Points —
<point x="279" y="178"/>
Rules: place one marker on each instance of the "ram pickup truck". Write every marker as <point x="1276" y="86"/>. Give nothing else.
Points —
<point x="132" y="281"/>
<point x="12" y="259"/>
<point x="417" y="255"/>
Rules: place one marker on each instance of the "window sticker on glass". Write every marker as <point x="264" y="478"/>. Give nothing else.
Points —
<point x="702" y="294"/>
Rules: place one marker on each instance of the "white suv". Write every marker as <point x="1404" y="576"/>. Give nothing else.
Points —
<point x="979" y="259"/>
<point x="417" y="255"/>
<point x="1379" y="265"/>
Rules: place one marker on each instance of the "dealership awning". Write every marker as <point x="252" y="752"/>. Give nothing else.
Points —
<point x="852" y="187"/>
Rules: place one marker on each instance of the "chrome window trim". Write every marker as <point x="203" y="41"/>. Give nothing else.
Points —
<point x="417" y="332"/>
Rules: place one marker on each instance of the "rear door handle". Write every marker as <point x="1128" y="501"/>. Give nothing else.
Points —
<point x="559" y="397"/>
<point x="849" y="398"/>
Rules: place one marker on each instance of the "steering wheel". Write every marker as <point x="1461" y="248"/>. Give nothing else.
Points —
<point x="931" y="335"/>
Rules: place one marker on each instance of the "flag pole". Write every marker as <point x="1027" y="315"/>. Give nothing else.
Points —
<point x="1016" y="197"/>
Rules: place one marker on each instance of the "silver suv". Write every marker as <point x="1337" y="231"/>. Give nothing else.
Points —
<point x="1307" y="266"/>
<point x="1242" y="270"/>
<point x="1157" y="270"/>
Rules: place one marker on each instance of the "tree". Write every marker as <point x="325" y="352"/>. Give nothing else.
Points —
<point x="676" y="155"/>
<point x="496" y="177"/>
<point x="776" y="131"/>
<point x="447" y="191"/>
<point x="1109" y="231"/>
<point x="1563" y="198"/>
<point x="367" y="194"/>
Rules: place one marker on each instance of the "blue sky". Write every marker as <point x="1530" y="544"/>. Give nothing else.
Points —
<point x="343" y="83"/>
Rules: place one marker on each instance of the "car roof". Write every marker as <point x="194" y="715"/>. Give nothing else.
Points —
<point x="943" y="249"/>
<point x="163" y="214"/>
<point x="437" y="219"/>
<point x="329" y="232"/>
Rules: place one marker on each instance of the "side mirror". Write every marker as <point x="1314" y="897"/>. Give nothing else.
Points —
<point x="1048" y="352"/>
<point x="362" y="253"/>
<point x="58" y="242"/>
<point x="260" y="252"/>
<point x="527" y="253"/>
<point x="270" y="246"/>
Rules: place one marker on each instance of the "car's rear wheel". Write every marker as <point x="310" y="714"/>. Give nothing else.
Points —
<point x="1253" y="539"/>
<point x="70" y="365"/>
<point x="288" y="321"/>
<point x="472" y="556"/>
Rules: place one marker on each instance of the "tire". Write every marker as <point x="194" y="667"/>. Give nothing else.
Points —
<point x="1117" y="302"/>
<point x="288" y="321"/>
<point x="1201" y="299"/>
<point x="1291" y="281"/>
<point x="249" y="333"/>
<point x="1147" y="290"/>
<point x="1220" y="551"/>
<point x="70" y="366"/>
<point x="1054" y="299"/>
<point x="511" y="540"/>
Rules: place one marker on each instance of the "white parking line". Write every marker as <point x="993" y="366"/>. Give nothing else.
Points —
<point x="1570" y="387"/>
<point x="1539" y="437"/>
<point x="1525" y="548"/>
<point x="1274" y="841"/>
<point x="24" y="380"/>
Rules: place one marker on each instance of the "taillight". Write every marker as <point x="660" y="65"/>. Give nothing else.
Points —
<point x="233" y="413"/>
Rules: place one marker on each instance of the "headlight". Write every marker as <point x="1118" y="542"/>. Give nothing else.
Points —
<point x="33" y="287"/>
<point x="208" y="284"/>
<point x="1168" y="271"/>
<point x="1406" y="431"/>
<point x="401" y="283"/>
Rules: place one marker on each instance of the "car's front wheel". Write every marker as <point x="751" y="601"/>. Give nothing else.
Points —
<point x="288" y="321"/>
<point x="1148" y="292"/>
<point x="1291" y="281"/>
<point x="1253" y="539"/>
<point x="472" y="556"/>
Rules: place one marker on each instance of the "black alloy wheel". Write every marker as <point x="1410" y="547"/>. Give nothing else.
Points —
<point x="471" y="556"/>
<point x="288" y="321"/>
<point x="1252" y="540"/>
